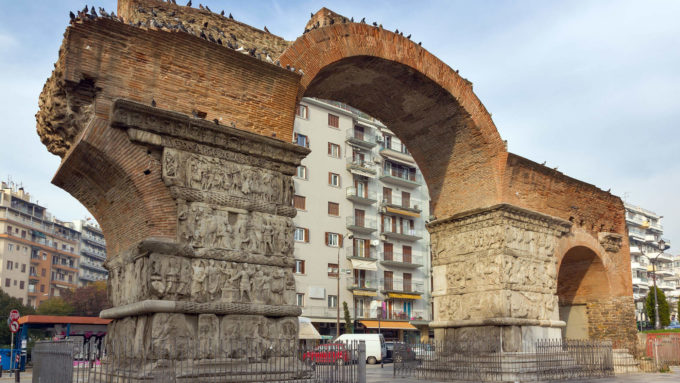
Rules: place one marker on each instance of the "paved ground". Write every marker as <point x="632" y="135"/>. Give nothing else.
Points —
<point x="375" y="374"/>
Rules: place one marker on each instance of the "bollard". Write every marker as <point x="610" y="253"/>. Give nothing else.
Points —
<point x="361" y="363"/>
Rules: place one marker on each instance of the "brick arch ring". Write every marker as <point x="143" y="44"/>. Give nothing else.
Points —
<point x="579" y="238"/>
<point x="428" y="105"/>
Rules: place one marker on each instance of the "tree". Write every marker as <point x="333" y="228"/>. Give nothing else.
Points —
<point x="349" y="328"/>
<point x="7" y="303"/>
<point x="55" y="306"/>
<point x="88" y="300"/>
<point x="664" y="313"/>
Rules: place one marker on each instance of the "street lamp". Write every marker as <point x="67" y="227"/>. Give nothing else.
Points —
<point x="662" y="247"/>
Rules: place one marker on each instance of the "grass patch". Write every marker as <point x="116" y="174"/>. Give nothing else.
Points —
<point x="660" y="331"/>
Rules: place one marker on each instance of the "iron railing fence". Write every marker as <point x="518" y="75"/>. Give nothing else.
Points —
<point x="481" y="361"/>
<point x="124" y="361"/>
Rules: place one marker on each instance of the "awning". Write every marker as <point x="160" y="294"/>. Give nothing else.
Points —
<point x="403" y="296"/>
<point x="373" y="324"/>
<point x="364" y="293"/>
<point x="360" y="264"/>
<point x="307" y="330"/>
<point x="402" y="212"/>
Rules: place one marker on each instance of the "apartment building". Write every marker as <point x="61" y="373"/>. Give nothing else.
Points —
<point x="362" y="207"/>
<point x="645" y="229"/>
<point x="92" y="252"/>
<point x="38" y="253"/>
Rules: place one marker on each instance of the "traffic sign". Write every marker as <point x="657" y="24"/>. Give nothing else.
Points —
<point x="14" y="315"/>
<point x="14" y="326"/>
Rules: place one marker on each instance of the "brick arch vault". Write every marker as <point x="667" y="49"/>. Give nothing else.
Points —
<point x="425" y="102"/>
<point x="181" y="148"/>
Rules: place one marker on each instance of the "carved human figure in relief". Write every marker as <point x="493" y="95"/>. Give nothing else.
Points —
<point x="243" y="276"/>
<point x="198" y="279"/>
<point x="268" y="234"/>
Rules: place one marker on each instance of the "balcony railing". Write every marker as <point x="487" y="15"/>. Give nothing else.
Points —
<point x="93" y="266"/>
<point x="357" y="283"/>
<point x="400" y="177"/>
<point x="402" y="286"/>
<point x="402" y="233"/>
<point x="361" y="225"/>
<point x="352" y="251"/>
<point x="365" y="139"/>
<point x="397" y="201"/>
<point x="364" y="167"/>
<point x="398" y="258"/>
<point x="95" y="254"/>
<point x="367" y="197"/>
<point x="320" y="312"/>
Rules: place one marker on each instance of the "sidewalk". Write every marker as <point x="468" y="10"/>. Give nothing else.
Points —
<point x="375" y="374"/>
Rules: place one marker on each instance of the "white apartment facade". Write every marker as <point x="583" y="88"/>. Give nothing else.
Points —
<point x="92" y="252"/>
<point x="645" y="230"/>
<point x="362" y="207"/>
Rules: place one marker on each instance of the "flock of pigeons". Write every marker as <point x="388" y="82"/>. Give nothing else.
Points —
<point x="204" y="31"/>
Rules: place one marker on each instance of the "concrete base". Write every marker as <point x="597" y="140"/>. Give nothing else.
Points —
<point x="511" y="338"/>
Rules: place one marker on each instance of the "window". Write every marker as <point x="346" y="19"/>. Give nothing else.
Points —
<point x="332" y="301"/>
<point x="333" y="150"/>
<point x="388" y="251"/>
<point x="300" y="299"/>
<point x="301" y="172"/>
<point x="406" y="254"/>
<point x="334" y="179"/>
<point x="301" y="234"/>
<point x="10" y="246"/>
<point x="333" y="270"/>
<point x="299" y="266"/>
<point x="42" y="288"/>
<point x="9" y="265"/>
<point x="301" y="140"/>
<point x="333" y="120"/>
<point x="299" y="202"/>
<point x="333" y="239"/>
<point x="387" y="195"/>
<point x="403" y="149"/>
<point x="23" y="267"/>
<point x="361" y="248"/>
<point x="43" y="272"/>
<point x="9" y="229"/>
<point x="333" y="209"/>
<point x="8" y="282"/>
<point x="21" y="285"/>
<point x="302" y="111"/>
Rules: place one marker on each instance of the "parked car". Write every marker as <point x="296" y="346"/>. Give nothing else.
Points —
<point x="375" y="345"/>
<point x="423" y="350"/>
<point x="404" y="352"/>
<point x="331" y="353"/>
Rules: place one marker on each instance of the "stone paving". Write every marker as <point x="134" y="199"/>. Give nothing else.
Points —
<point x="375" y="374"/>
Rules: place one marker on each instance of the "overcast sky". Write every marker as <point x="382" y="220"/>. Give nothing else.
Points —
<point x="591" y="87"/>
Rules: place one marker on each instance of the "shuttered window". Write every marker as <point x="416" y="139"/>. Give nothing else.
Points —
<point x="333" y="209"/>
<point x="333" y="239"/>
<point x="300" y="202"/>
<point x="333" y="120"/>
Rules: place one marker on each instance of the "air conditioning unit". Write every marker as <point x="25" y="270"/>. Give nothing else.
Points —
<point x="417" y="207"/>
<point x="379" y="139"/>
<point x="375" y="242"/>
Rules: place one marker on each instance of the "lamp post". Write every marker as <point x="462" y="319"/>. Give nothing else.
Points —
<point x="662" y="247"/>
<point x="337" y="300"/>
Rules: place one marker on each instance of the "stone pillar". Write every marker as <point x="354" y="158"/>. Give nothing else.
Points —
<point x="495" y="276"/>
<point x="227" y="275"/>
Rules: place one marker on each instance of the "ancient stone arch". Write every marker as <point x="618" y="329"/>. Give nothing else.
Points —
<point x="180" y="146"/>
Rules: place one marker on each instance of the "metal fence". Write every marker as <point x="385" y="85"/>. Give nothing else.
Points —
<point x="486" y="362"/>
<point x="118" y="362"/>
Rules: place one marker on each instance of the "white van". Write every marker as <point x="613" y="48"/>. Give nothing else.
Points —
<point x="375" y="345"/>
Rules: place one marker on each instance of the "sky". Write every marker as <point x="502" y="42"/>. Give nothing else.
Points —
<point x="590" y="87"/>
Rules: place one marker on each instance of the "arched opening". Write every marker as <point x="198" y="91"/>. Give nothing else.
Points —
<point x="581" y="282"/>
<point x="423" y="101"/>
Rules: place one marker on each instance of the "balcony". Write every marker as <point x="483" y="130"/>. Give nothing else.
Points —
<point x="403" y="234"/>
<point x="321" y="312"/>
<point x="93" y="266"/>
<point x="641" y="282"/>
<point x="361" y="225"/>
<point x="94" y="254"/>
<point x="398" y="259"/>
<point x="401" y="178"/>
<point x="395" y="285"/>
<point x="362" y="168"/>
<point x="364" y="284"/>
<point x="404" y="207"/>
<point x="354" y="252"/>
<point x="88" y="277"/>
<point x="363" y="139"/>
<point x="97" y="241"/>
<point x="637" y="266"/>
<point x="365" y="198"/>
<point x="397" y="155"/>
